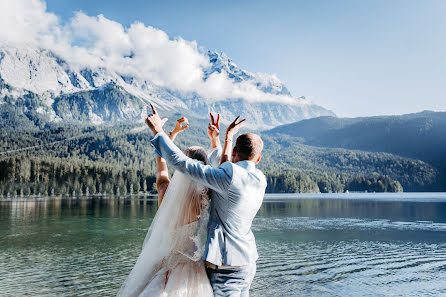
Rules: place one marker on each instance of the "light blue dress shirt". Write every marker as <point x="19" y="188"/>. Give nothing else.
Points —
<point x="237" y="194"/>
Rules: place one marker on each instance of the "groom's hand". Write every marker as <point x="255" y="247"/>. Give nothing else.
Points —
<point x="213" y="131"/>
<point x="154" y="122"/>
<point x="233" y="128"/>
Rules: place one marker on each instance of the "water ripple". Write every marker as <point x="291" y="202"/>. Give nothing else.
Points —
<point x="359" y="269"/>
<point x="70" y="252"/>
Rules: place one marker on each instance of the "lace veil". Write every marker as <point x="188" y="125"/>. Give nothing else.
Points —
<point x="177" y="233"/>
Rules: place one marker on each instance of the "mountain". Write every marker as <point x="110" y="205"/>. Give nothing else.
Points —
<point x="61" y="91"/>
<point x="78" y="130"/>
<point x="418" y="135"/>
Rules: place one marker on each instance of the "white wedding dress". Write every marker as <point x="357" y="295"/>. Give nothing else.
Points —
<point x="170" y="261"/>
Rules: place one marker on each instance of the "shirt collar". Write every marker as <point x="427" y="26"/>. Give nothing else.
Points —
<point x="248" y="165"/>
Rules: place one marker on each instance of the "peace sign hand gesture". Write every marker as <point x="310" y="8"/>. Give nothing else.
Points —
<point x="214" y="127"/>
<point x="233" y="128"/>
<point x="214" y="131"/>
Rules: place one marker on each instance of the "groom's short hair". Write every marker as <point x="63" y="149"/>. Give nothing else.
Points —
<point x="248" y="146"/>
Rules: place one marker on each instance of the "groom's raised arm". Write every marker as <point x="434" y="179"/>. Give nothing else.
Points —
<point x="218" y="179"/>
<point x="214" y="156"/>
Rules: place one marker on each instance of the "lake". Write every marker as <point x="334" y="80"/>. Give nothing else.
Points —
<point x="357" y="244"/>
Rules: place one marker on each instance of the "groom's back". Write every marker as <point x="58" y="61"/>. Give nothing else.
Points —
<point x="238" y="191"/>
<point x="230" y="239"/>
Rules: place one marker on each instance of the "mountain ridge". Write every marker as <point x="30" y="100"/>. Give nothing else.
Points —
<point x="48" y="76"/>
<point x="416" y="135"/>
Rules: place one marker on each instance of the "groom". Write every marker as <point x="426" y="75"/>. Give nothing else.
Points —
<point x="238" y="190"/>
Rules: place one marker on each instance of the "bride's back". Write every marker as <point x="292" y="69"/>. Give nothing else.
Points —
<point x="175" y="241"/>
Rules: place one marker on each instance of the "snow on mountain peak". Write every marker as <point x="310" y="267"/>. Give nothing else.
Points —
<point x="59" y="68"/>
<point x="40" y="71"/>
<point x="267" y="83"/>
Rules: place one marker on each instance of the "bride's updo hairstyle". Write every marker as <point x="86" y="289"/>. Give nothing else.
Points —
<point x="197" y="153"/>
<point x="198" y="195"/>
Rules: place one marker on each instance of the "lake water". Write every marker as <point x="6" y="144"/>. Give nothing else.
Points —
<point x="309" y="245"/>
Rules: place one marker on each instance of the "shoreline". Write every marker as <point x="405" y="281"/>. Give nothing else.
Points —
<point x="273" y="197"/>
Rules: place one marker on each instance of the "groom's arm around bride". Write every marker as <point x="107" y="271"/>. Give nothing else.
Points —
<point x="238" y="190"/>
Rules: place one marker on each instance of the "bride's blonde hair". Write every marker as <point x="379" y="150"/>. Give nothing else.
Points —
<point x="192" y="209"/>
<point x="197" y="153"/>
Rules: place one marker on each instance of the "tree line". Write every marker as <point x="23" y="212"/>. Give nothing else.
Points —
<point x="118" y="160"/>
<point x="299" y="182"/>
<point x="23" y="176"/>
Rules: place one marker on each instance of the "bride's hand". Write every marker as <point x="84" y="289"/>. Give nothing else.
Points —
<point x="181" y="125"/>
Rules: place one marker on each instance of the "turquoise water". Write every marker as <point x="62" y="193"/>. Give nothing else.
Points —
<point x="309" y="245"/>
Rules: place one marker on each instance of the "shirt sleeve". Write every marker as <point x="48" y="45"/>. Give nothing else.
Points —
<point x="214" y="156"/>
<point x="218" y="179"/>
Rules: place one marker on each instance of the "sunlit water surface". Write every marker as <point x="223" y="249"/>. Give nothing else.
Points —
<point x="309" y="245"/>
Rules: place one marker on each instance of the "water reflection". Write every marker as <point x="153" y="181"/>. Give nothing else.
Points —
<point x="309" y="246"/>
<point x="412" y="210"/>
<point x="28" y="210"/>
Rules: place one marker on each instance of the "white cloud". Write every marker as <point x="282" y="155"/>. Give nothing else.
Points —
<point x="139" y="50"/>
<point x="27" y="21"/>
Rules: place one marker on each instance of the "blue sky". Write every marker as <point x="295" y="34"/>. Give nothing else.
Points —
<point x="357" y="58"/>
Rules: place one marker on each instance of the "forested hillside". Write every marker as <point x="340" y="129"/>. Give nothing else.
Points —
<point x="55" y="176"/>
<point x="420" y="136"/>
<point x="118" y="160"/>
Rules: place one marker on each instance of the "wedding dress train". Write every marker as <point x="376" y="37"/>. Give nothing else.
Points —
<point x="170" y="261"/>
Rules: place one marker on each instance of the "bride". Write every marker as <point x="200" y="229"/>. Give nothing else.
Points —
<point x="170" y="261"/>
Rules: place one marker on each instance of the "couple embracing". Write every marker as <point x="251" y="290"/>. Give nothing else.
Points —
<point x="200" y="242"/>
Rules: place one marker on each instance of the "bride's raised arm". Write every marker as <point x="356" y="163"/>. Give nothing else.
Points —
<point x="162" y="174"/>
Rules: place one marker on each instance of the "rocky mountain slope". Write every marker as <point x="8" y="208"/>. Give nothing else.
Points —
<point x="37" y="84"/>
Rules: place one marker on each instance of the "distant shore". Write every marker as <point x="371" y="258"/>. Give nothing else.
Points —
<point x="267" y="197"/>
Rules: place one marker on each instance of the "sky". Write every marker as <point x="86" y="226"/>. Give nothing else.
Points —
<point x="357" y="58"/>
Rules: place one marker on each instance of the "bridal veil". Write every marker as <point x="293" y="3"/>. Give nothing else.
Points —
<point x="175" y="238"/>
